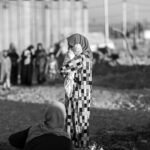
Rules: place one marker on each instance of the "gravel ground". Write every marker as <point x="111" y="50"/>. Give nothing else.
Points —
<point x="102" y="98"/>
<point x="34" y="94"/>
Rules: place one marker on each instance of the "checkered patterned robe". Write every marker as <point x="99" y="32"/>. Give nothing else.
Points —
<point x="78" y="106"/>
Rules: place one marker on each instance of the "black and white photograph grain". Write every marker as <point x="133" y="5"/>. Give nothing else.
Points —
<point x="74" y="74"/>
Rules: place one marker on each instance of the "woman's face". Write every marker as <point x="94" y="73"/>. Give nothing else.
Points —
<point x="77" y="49"/>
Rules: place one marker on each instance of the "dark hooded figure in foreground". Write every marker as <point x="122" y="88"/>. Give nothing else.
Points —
<point x="48" y="135"/>
<point x="78" y="106"/>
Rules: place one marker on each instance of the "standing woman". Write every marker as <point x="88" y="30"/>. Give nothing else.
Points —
<point x="40" y="63"/>
<point x="27" y="65"/>
<point x="14" y="61"/>
<point x="78" y="106"/>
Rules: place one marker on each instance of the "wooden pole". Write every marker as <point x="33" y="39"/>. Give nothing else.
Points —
<point x="72" y="15"/>
<point x="124" y="21"/>
<point x="19" y="24"/>
<point x="85" y="17"/>
<point x="33" y="22"/>
<point x="51" y="22"/>
<point x="106" y="22"/>
<point x="136" y="16"/>
<point x="2" y="23"/>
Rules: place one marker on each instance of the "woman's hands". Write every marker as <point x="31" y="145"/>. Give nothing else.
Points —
<point x="71" y="54"/>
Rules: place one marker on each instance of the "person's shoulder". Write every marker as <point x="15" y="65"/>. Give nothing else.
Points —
<point x="55" y="140"/>
<point x="63" y="141"/>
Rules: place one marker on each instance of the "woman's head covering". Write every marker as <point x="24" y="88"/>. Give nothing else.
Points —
<point x="30" y="47"/>
<point x="39" y="45"/>
<point x="12" y="47"/>
<point x="54" y="122"/>
<point x="80" y="39"/>
<point x="55" y="115"/>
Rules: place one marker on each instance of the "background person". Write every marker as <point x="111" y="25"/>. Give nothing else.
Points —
<point x="40" y="63"/>
<point x="60" y="52"/>
<point x="14" y="61"/>
<point x="48" y="135"/>
<point x="78" y="106"/>
<point x="5" y="70"/>
<point x="52" y="68"/>
<point x="27" y="65"/>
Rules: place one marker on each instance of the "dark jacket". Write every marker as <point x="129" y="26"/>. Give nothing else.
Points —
<point x="43" y="142"/>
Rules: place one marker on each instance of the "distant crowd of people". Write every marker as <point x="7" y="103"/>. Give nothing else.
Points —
<point x="37" y="62"/>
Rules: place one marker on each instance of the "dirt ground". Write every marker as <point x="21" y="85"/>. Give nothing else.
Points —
<point x="122" y="114"/>
<point x="102" y="98"/>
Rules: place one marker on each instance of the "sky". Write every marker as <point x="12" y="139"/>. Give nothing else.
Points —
<point x="136" y="10"/>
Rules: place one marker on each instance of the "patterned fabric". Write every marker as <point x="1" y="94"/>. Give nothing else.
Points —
<point x="69" y="79"/>
<point x="78" y="106"/>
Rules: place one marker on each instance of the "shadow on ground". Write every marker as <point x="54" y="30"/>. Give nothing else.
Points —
<point x="108" y="128"/>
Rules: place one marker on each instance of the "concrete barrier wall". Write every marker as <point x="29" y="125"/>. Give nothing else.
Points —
<point x="25" y="22"/>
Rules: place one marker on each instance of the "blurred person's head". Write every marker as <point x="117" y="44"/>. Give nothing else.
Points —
<point x="64" y="46"/>
<point x="39" y="46"/>
<point x="12" y="47"/>
<point x="30" y="47"/>
<point x="5" y="53"/>
<point x="55" y="115"/>
<point x="51" y="49"/>
<point x="52" y="56"/>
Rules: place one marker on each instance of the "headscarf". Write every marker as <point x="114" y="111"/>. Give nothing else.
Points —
<point x="80" y="39"/>
<point x="54" y="122"/>
<point x="55" y="115"/>
<point x="30" y="47"/>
